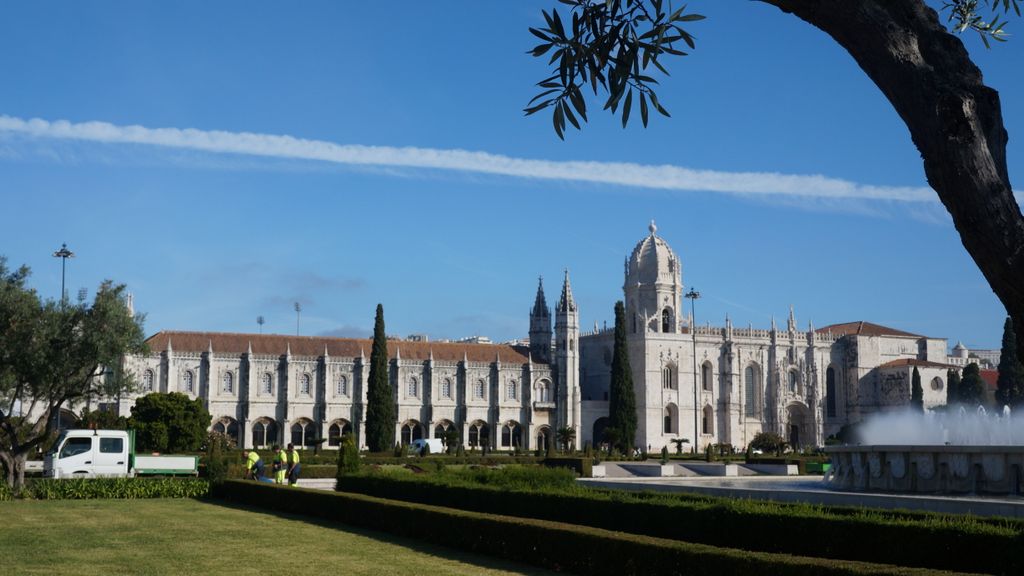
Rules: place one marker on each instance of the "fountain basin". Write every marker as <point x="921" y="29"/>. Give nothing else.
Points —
<point x="928" y="469"/>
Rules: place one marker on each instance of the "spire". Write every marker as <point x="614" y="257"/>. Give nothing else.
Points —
<point x="791" y="324"/>
<point x="652" y="227"/>
<point x="566" y="302"/>
<point x="773" y="323"/>
<point x="540" y="304"/>
<point x="249" y="352"/>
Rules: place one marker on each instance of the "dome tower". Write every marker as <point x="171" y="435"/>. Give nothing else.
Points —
<point x="653" y="286"/>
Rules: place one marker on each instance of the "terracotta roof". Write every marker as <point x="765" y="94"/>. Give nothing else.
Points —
<point x="914" y="362"/>
<point x="279" y="344"/>
<point x="863" y="328"/>
<point x="991" y="378"/>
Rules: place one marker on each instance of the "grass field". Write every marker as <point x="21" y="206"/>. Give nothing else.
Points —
<point x="196" y="537"/>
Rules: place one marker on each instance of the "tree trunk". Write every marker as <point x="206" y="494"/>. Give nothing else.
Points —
<point x="954" y="120"/>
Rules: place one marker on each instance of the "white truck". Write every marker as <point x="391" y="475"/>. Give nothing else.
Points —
<point x="110" y="453"/>
<point x="436" y="446"/>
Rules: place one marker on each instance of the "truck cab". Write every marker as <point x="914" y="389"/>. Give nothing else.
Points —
<point x="88" y="453"/>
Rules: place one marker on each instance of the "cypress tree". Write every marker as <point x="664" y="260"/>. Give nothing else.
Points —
<point x="952" y="387"/>
<point x="1010" y="385"/>
<point x="380" y="407"/>
<point x="916" y="392"/>
<point x="621" y="398"/>
<point x="972" y="387"/>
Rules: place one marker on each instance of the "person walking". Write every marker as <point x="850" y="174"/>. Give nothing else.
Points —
<point x="253" y="465"/>
<point x="293" y="465"/>
<point x="280" y="464"/>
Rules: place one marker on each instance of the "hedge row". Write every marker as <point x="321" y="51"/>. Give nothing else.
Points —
<point x="117" y="488"/>
<point x="801" y="530"/>
<point x="558" y="546"/>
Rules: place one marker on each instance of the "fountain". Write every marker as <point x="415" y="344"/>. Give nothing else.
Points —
<point x="957" y="451"/>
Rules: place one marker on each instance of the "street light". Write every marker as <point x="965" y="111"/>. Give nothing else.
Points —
<point x="63" y="254"/>
<point x="298" y="314"/>
<point x="693" y="295"/>
<point x="260" y="320"/>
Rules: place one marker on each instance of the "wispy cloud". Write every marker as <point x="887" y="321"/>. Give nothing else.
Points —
<point x="663" y="177"/>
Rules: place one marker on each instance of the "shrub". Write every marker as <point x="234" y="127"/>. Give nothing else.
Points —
<point x="768" y="442"/>
<point x="216" y="461"/>
<point x="5" y="492"/>
<point x="664" y="455"/>
<point x="565" y="547"/>
<point x="926" y="540"/>
<point x="348" y="456"/>
<point x="116" y="488"/>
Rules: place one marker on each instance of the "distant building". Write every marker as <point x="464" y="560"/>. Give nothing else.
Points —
<point x="708" y="384"/>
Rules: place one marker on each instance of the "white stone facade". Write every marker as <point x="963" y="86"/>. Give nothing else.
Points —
<point x="706" y="384"/>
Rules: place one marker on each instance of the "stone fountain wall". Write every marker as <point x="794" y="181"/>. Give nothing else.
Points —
<point x="928" y="469"/>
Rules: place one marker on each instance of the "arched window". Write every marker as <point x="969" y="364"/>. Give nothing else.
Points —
<point x="479" y="389"/>
<point x="793" y="381"/>
<point x="264" y="433"/>
<point x="705" y="377"/>
<point x="341" y="388"/>
<point x="830" y="392"/>
<point x="413" y="387"/>
<point x="304" y="433"/>
<point x="411" y="430"/>
<point x="708" y="421"/>
<point x="446" y="388"/>
<point x="148" y="380"/>
<point x="305" y="385"/>
<point x="229" y="427"/>
<point x="266" y="383"/>
<point x="668" y="378"/>
<point x="479" y="434"/>
<point x="671" y="416"/>
<point x="442" y="428"/>
<point x="338" y="429"/>
<point x="544" y="391"/>
<point x="543" y="436"/>
<point x="228" y="383"/>
<point x="750" y="390"/>
<point x="510" y="435"/>
<point x="511" y="390"/>
<point x="188" y="382"/>
<point x="666" y="320"/>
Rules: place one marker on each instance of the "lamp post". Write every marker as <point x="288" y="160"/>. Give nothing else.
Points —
<point x="260" y="320"/>
<point x="693" y="295"/>
<point x="298" y="314"/>
<point x="63" y="254"/>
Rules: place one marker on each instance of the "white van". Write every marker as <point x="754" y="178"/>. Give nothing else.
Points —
<point x="436" y="446"/>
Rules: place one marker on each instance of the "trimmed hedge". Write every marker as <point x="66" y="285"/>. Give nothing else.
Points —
<point x="117" y="488"/>
<point x="558" y="546"/>
<point x="889" y="538"/>
<point x="581" y="466"/>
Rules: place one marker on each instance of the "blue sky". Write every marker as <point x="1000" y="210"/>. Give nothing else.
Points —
<point x="790" y="179"/>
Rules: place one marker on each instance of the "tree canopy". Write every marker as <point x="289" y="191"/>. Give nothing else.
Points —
<point x="170" y="422"/>
<point x="380" y="406"/>
<point x="1010" y="385"/>
<point x="621" y="397"/>
<point x="616" y="48"/>
<point x="54" y="355"/>
<point x="972" y="387"/>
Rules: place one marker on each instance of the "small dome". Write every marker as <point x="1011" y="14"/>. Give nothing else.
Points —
<point x="652" y="261"/>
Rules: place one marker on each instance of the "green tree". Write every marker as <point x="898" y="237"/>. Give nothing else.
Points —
<point x="903" y="46"/>
<point x="916" y="392"/>
<point x="567" y="438"/>
<point x="380" y="406"/>
<point x="621" y="398"/>
<point x="170" y="422"/>
<point x="768" y="442"/>
<point x="348" y="456"/>
<point x="54" y="355"/>
<point x="952" y="387"/>
<point x="679" y="444"/>
<point x="972" y="387"/>
<point x="101" y="420"/>
<point x="1010" y="385"/>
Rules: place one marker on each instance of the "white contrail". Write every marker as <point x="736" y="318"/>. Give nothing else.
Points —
<point x="665" y="177"/>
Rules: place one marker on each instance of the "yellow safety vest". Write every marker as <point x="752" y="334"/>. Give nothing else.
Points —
<point x="293" y="457"/>
<point x="252" y="460"/>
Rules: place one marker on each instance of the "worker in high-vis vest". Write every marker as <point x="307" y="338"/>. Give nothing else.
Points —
<point x="293" y="465"/>
<point x="280" y="465"/>
<point x="253" y="465"/>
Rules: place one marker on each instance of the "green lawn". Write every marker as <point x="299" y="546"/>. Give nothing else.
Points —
<point x="84" y="537"/>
